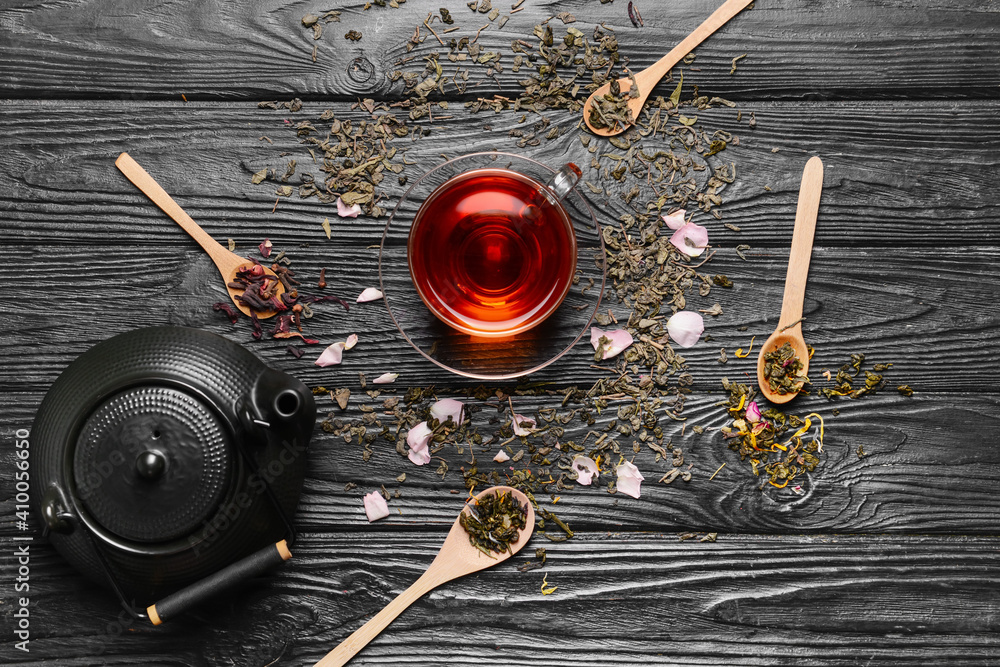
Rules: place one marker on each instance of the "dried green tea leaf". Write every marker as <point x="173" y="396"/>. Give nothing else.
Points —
<point x="736" y="60"/>
<point x="783" y="370"/>
<point x="675" y="96"/>
<point x="494" y="522"/>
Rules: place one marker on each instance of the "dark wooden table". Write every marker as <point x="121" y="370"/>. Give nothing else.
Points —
<point x="890" y="558"/>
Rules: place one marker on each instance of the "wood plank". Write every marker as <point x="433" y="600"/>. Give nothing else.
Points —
<point x="857" y="49"/>
<point x="930" y="465"/>
<point x="895" y="305"/>
<point x="744" y="600"/>
<point x="897" y="174"/>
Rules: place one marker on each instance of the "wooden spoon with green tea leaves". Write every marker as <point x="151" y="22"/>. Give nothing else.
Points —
<point x="501" y="508"/>
<point x="228" y="263"/>
<point x="778" y="367"/>
<point x="647" y="79"/>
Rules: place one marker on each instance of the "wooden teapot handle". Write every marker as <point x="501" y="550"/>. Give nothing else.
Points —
<point x="256" y="563"/>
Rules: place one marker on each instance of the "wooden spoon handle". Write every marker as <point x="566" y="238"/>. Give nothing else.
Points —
<point x="367" y="632"/>
<point x="719" y="18"/>
<point x="802" y="242"/>
<point x="159" y="196"/>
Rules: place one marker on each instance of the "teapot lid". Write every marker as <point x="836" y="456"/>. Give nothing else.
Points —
<point x="152" y="463"/>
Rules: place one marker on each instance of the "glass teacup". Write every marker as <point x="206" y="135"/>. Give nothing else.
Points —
<point x="479" y="261"/>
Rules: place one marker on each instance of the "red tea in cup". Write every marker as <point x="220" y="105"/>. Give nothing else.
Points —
<point x="492" y="252"/>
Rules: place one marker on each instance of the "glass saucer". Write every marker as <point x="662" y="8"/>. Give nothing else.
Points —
<point x="491" y="358"/>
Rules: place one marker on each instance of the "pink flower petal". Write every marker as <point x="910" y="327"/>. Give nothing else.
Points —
<point x="375" y="506"/>
<point x="629" y="479"/>
<point x="691" y="239"/>
<point x="619" y="340"/>
<point x="501" y="457"/>
<point x="586" y="469"/>
<point x="369" y="294"/>
<point x="352" y="340"/>
<point x="345" y="211"/>
<point x="675" y="220"/>
<point x="332" y="355"/>
<point x="523" y="425"/>
<point x="753" y="412"/>
<point x="386" y="378"/>
<point x="448" y="408"/>
<point x="685" y="327"/>
<point x="419" y="439"/>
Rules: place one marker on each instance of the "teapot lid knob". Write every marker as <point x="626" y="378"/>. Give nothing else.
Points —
<point x="151" y="464"/>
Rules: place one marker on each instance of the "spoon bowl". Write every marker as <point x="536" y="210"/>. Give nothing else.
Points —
<point x="457" y="558"/>
<point x="794" y="338"/>
<point x="227" y="262"/>
<point x="647" y="79"/>
<point x="789" y="328"/>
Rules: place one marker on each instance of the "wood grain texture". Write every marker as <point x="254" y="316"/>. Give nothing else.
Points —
<point x="899" y="174"/>
<point x="886" y="559"/>
<point x="857" y="49"/>
<point x="728" y="602"/>
<point x="929" y="466"/>
<point x="894" y="305"/>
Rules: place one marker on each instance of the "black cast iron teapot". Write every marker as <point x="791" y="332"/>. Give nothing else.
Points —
<point x="168" y="461"/>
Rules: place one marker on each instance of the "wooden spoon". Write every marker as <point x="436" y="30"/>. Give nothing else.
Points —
<point x="456" y="559"/>
<point x="227" y="262"/>
<point x="647" y="79"/>
<point x="789" y="328"/>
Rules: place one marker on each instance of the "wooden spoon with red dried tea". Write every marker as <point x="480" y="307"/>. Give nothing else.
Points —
<point x="250" y="285"/>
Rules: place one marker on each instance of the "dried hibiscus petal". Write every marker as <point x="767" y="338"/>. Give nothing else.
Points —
<point x="296" y="334"/>
<point x="317" y="299"/>
<point x="258" y="330"/>
<point x="227" y="309"/>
